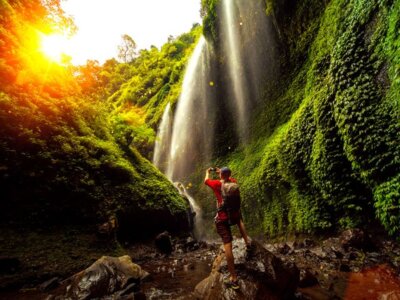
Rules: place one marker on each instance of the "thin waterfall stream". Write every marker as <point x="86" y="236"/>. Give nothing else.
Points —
<point x="238" y="82"/>
<point x="163" y="141"/>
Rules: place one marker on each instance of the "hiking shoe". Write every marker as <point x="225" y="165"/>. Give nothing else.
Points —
<point x="231" y="284"/>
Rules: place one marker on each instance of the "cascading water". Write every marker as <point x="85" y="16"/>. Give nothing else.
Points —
<point x="189" y="142"/>
<point x="193" y="126"/>
<point x="162" y="144"/>
<point x="248" y="45"/>
<point x="195" y="209"/>
<point x="237" y="82"/>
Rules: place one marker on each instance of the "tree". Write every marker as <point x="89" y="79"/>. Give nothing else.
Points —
<point x="127" y="50"/>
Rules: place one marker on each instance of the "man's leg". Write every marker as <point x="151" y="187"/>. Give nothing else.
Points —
<point x="243" y="232"/>
<point x="224" y="230"/>
<point x="230" y="260"/>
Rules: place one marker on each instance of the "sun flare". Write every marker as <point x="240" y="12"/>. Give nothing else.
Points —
<point x="55" y="47"/>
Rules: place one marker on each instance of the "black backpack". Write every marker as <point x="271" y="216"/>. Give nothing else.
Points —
<point x="230" y="199"/>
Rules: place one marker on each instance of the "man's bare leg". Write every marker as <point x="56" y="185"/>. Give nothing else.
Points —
<point x="230" y="260"/>
<point x="243" y="232"/>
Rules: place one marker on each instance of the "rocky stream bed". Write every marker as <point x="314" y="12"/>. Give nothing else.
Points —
<point x="350" y="266"/>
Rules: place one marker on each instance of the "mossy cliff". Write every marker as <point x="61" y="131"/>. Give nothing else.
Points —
<point x="325" y="146"/>
<point x="61" y="166"/>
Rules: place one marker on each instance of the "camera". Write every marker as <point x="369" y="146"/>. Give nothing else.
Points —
<point x="213" y="169"/>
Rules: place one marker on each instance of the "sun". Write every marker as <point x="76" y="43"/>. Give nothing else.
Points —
<point x="55" y="47"/>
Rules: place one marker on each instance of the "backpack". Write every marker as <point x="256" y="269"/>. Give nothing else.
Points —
<point x="230" y="199"/>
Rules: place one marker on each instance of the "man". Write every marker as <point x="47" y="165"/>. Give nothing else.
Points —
<point x="221" y="221"/>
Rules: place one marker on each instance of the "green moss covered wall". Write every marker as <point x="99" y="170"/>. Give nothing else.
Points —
<point x="60" y="165"/>
<point x="325" y="153"/>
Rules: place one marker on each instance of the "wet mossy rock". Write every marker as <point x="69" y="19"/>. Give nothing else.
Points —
<point x="329" y="156"/>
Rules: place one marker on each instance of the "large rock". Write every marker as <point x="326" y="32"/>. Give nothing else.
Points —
<point x="262" y="275"/>
<point x="355" y="238"/>
<point x="163" y="242"/>
<point x="107" y="277"/>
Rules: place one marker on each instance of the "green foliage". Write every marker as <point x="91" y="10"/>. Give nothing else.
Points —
<point x="209" y="12"/>
<point x="387" y="204"/>
<point x="269" y="7"/>
<point x="325" y="150"/>
<point x="65" y="159"/>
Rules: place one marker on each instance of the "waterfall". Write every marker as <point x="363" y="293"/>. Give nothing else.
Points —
<point x="232" y="46"/>
<point x="186" y="142"/>
<point x="193" y="125"/>
<point x="198" y="227"/>
<point x="248" y="45"/>
<point x="162" y="144"/>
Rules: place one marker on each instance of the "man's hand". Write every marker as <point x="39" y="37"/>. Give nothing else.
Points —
<point x="208" y="172"/>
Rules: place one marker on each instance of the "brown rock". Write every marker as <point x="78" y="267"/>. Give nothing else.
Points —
<point x="261" y="276"/>
<point x="354" y="238"/>
<point x="106" y="277"/>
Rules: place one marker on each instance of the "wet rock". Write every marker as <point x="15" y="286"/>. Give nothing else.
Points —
<point x="262" y="276"/>
<point x="115" y="277"/>
<point x="355" y="238"/>
<point x="107" y="231"/>
<point x="306" y="243"/>
<point x="163" y="242"/>
<point x="344" y="268"/>
<point x="319" y="252"/>
<point x="191" y="244"/>
<point x="284" y="249"/>
<point x="307" y="278"/>
<point x="49" y="284"/>
<point x="337" y="252"/>
<point x="351" y="255"/>
<point x="9" y="264"/>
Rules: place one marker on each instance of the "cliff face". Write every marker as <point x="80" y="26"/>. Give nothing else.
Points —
<point x="324" y="151"/>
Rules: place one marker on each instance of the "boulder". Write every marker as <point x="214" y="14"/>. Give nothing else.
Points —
<point x="49" y="284"/>
<point x="262" y="275"/>
<point x="355" y="238"/>
<point x="107" y="277"/>
<point x="307" y="278"/>
<point x="163" y="242"/>
<point x="284" y="249"/>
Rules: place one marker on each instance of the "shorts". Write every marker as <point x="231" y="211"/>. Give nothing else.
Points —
<point x="224" y="231"/>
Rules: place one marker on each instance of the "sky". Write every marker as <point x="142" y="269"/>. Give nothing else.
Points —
<point x="101" y="23"/>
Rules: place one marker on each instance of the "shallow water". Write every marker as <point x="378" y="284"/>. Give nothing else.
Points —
<point x="176" y="277"/>
<point x="379" y="282"/>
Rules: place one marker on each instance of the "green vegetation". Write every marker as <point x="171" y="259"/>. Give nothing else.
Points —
<point x="327" y="155"/>
<point x="69" y="156"/>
